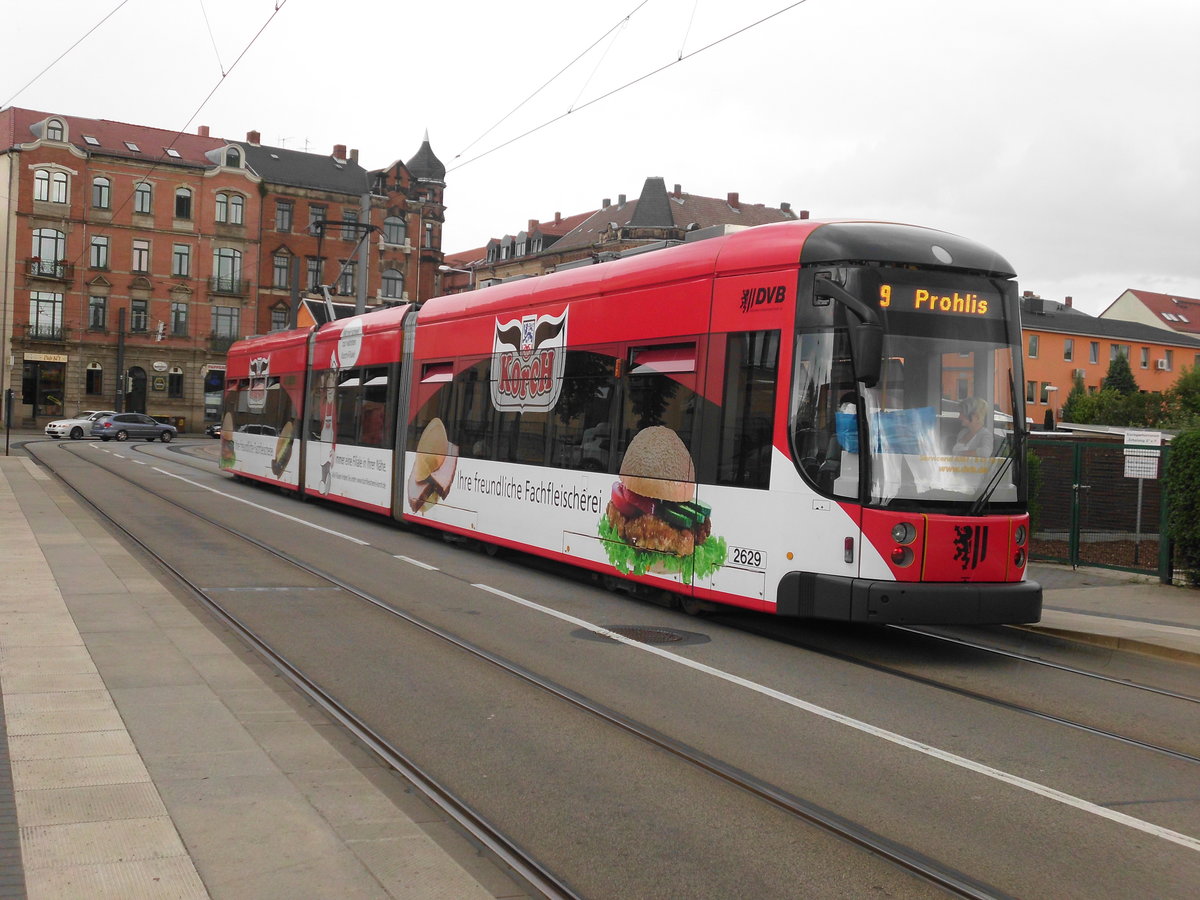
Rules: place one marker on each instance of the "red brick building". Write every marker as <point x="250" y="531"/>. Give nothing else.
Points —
<point x="133" y="256"/>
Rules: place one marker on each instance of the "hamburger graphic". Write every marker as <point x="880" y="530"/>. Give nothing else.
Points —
<point x="228" y="456"/>
<point x="653" y="523"/>
<point x="433" y="471"/>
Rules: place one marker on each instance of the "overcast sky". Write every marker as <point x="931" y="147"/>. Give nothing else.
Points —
<point x="1065" y="134"/>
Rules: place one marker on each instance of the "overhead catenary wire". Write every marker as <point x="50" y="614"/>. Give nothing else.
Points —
<point x="60" y="56"/>
<point x="552" y="78"/>
<point x="627" y="84"/>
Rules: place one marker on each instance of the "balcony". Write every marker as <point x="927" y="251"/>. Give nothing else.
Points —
<point x="231" y="287"/>
<point x="220" y="343"/>
<point x="55" y="270"/>
<point x="54" y="334"/>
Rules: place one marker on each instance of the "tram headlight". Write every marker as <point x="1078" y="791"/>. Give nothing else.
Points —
<point x="904" y="533"/>
<point x="1019" y="536"/>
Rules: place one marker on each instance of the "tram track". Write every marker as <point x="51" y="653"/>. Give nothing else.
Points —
<point x="928" y="870"/>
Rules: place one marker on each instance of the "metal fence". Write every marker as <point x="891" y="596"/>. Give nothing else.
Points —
<point x="1091" y="510"/>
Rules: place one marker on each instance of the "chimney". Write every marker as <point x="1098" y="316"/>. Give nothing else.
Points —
<point x="620" y="199"/>
<point x="532" y="226"/>
<point x="253" y="137"/>
<point x="733" y="199"/>
<point x="1068" y="302"/>
<point x="558" y="218"/>
<point x="804" y="213"/>
<point x="339" y="151"/>
<point x="605" y="203"/>
<point x="202" y="131"/>
<point x="354" y="155"/>
<point x="677" y="193"/>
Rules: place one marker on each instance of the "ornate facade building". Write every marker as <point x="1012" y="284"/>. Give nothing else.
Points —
<point x="134" y="256"/>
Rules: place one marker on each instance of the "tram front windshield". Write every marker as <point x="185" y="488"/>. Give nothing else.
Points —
<point x="937" y="430"/>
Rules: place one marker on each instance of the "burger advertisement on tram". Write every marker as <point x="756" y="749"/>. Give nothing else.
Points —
<point x="648" y="522"/>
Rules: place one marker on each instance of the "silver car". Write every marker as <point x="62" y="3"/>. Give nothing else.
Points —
<point x="78" y="425"/>
<point x="123" y="426"/>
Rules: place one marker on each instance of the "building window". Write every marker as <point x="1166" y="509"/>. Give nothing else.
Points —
<point x="97" y="313"/>
<point x="393" y="283"/>
<point x="1118" y="350"/>
<point x="54" y="130"/>
<point x="313" y="270"/>
<point x="181" y="261"/>
<point x="99" y="256"/>
<point x="280" y="266"/>
<point x="45" y="315"/>
<point x="58" y="188"/>
<point x="1145" y="357"/>
<point x="50" y="186"/>
<point x="49" y="248"/>
<point x="41" y="185"/>
<point x="139" y="315"/>
<point x="225" y="322"/>
<point x="1094" y="352"/>
<point x="175" y="382"/>
<point x="143" y="198"/>
<point x="183" y="203"/>
<point x="101" y="193"/>
<point x="428" y="241"/>
<point x="1033" y="346"/>
<point x="315" y="215"/>
<point x="179" y="318"/>
<point x="350" y="217"/>
<point x="94" y="383"/>
<point x="280" y="319"/>
<point x="283" y="215"/>
<point x="1169" y="356"/>
<point x="1045" y="398"/>
<point x="141" y="256"/>
<point x="346" y="278"/>
<point x="231" y="208"/>
<point x="393" y="230"/>
<point x="233" y="158"/>
<point x="227" y="269"/>
<point x="1030" y="391"/>
<point x="1068" y="349"/>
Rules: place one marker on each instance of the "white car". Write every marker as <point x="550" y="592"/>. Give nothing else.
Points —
<point x="78" y="425"/>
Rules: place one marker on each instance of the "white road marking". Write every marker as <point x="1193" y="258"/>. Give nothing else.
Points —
<point x="1166" y="834"/>
<point x="416" y="562"/>
<point x="266" y="509"/>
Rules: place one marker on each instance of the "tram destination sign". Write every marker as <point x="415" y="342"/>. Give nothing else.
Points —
<point x="1141" y="461"/>
<point x="940" y="301"/>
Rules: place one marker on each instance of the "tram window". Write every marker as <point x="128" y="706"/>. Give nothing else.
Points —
<point x="747" y="409"/>
<point x="653" y="398"/>
<point x="582" y="428"/>
<point x="473" y="415"/>
<point x="521" y="437"/>
<point x="322" y="405"/>
<point x="349" y="396"/>
<point x="375" y="426"/>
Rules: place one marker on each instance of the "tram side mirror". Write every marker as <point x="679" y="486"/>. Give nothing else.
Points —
<point x="867" y="341"/>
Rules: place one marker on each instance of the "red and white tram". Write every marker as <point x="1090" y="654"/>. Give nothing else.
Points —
<point x="811" y="419"/>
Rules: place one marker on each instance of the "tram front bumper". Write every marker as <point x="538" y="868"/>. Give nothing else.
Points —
<point x="812" y="595"/>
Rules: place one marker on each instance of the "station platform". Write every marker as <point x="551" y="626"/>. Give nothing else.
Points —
<point x="142" y="755"/>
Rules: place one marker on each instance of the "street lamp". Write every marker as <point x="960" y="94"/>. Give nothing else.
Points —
<point x="1049" y="422"/>
<point x="471" y="272"/>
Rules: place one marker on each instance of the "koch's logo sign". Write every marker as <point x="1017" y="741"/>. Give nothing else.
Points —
<point x="528" y="358"/>
<point x="260" y="369"/>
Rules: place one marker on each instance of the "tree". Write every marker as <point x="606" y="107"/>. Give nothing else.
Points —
<point x="1120" y="376"/>
<point x="1072" y="409"/>
<point x="1184" y="397"/>
<point x="1183" y="500"/>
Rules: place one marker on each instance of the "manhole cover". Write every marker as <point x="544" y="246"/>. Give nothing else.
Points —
<point x="644" y="635"/>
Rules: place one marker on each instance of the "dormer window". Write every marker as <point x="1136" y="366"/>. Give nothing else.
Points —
<point x="132" y="146"/>
<point x="55" y="130"/>
<point x="233" y="158"/>
<point x="91" y="140"/>
<point x="172" y="152"/>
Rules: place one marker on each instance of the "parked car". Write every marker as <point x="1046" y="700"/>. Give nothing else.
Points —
<point x="78" y="425"/>
<point x="123" y="426"/>
<point x="213" y="430"/>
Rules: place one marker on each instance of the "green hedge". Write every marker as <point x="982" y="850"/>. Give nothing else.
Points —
<point x="1183" y="501"/>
